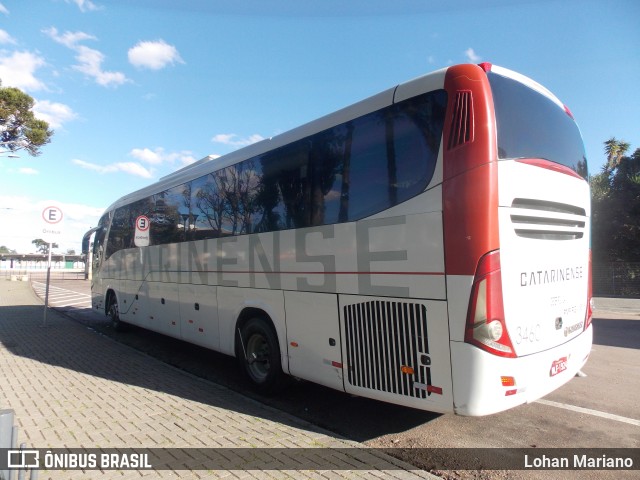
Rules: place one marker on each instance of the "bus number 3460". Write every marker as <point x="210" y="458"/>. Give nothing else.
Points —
<point x="528" y="334"/>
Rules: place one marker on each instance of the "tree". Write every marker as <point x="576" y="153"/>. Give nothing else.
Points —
<point x="19" y="127"/>
<point x="42" y="245"/>
<point x="615" y="150"/>
<point x="615" y="200"/>
<point x="4" y="249"/>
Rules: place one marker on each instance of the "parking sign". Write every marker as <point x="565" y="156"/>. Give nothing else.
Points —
<point x="52" y="223"/>
<point x="141" y="238"/>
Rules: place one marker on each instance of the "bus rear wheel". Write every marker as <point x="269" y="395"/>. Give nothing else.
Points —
<point x="259" y="356"/>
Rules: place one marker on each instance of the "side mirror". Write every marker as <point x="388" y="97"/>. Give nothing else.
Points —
<point x="87" y="238"/>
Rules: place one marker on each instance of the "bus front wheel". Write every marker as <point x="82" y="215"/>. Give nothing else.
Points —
<point x="259" y="356"/>
<point x="114" y="314"/>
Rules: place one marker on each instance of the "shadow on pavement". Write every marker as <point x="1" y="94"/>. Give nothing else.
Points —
<point x="68" y="345"/>
<point x="616" y="333"/>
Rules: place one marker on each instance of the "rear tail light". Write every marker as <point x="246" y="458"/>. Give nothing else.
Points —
<point x="589" y="314"/>
<point x="486" y="326"/>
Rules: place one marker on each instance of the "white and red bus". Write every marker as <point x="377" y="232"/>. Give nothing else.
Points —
<point x="428" y="246"/>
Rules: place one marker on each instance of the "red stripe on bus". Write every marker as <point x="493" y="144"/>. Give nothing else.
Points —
<point x="282" y="272"/>
<point x="549" y="165"/>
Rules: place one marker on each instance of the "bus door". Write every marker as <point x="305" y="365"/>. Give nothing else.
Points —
<point x="199" y="315"/>
<point x="313" y="338"/>
<point x="162" y="308"/>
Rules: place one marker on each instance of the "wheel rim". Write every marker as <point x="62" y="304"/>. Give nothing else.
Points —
<point x="258" y="353"/>
<point x="113" y="313"/>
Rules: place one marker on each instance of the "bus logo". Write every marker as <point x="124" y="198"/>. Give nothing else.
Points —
<point x="558" y="366"/>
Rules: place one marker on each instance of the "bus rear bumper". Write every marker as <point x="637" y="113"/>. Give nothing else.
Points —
<point x="482" y="382"/>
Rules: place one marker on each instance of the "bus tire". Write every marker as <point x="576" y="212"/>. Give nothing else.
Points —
<point x="259" y="356"/>
<point x="114" y="314"/>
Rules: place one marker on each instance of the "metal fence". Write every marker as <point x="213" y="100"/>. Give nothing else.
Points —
<point x="619" y="279"/>
<point x="40" y="275"/>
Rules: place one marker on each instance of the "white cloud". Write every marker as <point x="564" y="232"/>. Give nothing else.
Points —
<point x="147" y="155"/>
<point x="153" y="55"/>
<point x="3" y="9"/>
<point x="5" y="38"/>
<point x="159" y="156"/>
<point x="85" y="5"/>
<point x="472" y="56"/>
<point x="68" y="39"/>
<point x="234" y="140"/>
<point x="55" y="114"/>
<point x="154" y="158"/>
<point x="89" y="60"/>
<point x="18" y="70"/>
<point x="133" y="169"/>
<point x="90" y="63"/>
<point x="127" y="167"/>
<point x="28" y="171"/>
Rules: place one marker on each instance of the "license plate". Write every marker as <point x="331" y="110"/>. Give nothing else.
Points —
<point x="558" y="366"/>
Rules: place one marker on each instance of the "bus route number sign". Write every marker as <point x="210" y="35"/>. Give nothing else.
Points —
<point x="141" y="238"/>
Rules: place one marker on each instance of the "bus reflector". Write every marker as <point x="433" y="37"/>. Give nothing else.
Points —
<point x="508" y="381"/>
<point x="407" y="370"/>
<point x="436" y="390"/>
<point x="589" y="314"/>
<point x="510" y="392"/>
<point x="486" y="327"/>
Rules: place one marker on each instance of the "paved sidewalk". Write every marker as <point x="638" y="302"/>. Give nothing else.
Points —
<point x="612" y="306"/>
<point x="72" y="387"/>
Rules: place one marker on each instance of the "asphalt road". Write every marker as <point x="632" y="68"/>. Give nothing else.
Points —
<point x="600" y="410"/>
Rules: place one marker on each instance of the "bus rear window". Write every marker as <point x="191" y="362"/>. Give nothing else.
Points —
<point x="530" y="125"/>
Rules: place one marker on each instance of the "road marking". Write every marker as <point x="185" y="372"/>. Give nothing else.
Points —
<point x="62" y="297"/>
<point x="588" y="411"/>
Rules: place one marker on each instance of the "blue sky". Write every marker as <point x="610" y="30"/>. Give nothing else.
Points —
<point x="135" y="89"/>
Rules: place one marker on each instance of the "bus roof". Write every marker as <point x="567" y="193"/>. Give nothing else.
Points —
<point x="383" y="99"/>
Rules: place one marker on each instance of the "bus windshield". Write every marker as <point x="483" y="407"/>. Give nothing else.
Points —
<point x="531" y="125"/>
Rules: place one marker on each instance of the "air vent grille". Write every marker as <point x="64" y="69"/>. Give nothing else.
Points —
<point x="382" y="338"/>
<point x="544" y="220"/>
<point x="462" y="121"/>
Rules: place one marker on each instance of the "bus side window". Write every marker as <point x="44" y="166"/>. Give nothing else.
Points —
<point x="170" y="219"/>
<point x="417" y="131"/>
<point x="119" y="232"/>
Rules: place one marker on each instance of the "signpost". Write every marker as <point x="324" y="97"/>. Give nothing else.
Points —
<point x="52" y="226"/>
